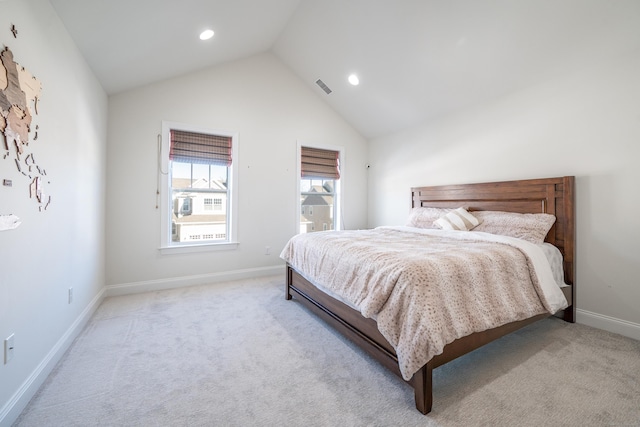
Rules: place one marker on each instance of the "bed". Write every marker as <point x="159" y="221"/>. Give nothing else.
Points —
<point x="554" y="196"/>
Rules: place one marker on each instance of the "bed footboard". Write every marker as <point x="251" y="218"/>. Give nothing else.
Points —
<point x="364" y="333"/>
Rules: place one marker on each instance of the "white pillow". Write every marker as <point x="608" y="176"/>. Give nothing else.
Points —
<point x="457" y="219"/>
<point x="531" y="227"/>
<point x="425" y="217"/>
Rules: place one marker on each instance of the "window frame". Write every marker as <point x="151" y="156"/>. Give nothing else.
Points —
<point x="338" y="183"/>
<point x="167" y="246"/>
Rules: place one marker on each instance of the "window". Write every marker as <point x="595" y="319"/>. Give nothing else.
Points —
<point x="197" y="197"/>
<point x="185" y="205"/>
<point x="319" y="188"/>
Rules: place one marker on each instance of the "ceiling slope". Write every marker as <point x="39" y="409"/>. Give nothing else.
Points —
<point x="129" y="43"/>
<point x="421" y="59"/>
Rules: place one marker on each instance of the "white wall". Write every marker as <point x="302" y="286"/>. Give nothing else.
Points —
<point x="271" y="109"/>
<point x="585" y="123"/>
<point x="63" y="246"/>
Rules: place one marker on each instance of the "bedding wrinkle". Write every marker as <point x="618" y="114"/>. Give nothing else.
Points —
<point x="424" y="289"/>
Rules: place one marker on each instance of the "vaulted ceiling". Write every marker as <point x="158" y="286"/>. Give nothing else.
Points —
<point x="416" y="59"/>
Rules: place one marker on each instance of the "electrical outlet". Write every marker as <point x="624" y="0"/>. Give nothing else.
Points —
<point x="70" y="295"/>
<point x="9" y="345"/>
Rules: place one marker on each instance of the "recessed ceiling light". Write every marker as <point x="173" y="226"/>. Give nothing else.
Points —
<point x="206" y="34"/>
<point x="354" y="80"/>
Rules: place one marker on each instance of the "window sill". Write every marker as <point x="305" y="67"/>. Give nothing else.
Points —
<point x="209" y="247"/>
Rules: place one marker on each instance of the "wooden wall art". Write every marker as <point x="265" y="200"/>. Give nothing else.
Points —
<point x="19" y="95"/>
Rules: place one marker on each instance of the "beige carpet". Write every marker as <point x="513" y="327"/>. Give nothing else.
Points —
<point x="238" y="354"/>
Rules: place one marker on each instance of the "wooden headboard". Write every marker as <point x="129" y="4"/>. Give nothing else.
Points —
<point x="546" y="195"/>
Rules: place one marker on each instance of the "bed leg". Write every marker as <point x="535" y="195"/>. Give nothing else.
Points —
<point x="422" y="389"/>
<point x="287" y="292"/>
<point x="570" y="314"/>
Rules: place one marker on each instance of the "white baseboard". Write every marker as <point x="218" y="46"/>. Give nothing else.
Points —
<point x="200" y="279"/>
<point x="607" y="323"/>
<point x="14" y="407"/>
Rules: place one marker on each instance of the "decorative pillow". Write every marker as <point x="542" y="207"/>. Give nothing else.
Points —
<point x="531" y="227"/>
<point x="457" y="219"/>
<point x="425" y="217"/>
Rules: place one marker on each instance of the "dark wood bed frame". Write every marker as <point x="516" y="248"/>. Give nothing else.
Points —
<point x="547" y="195"/>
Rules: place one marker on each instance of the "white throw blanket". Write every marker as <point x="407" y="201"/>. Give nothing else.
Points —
<point x="426" y="288"/>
